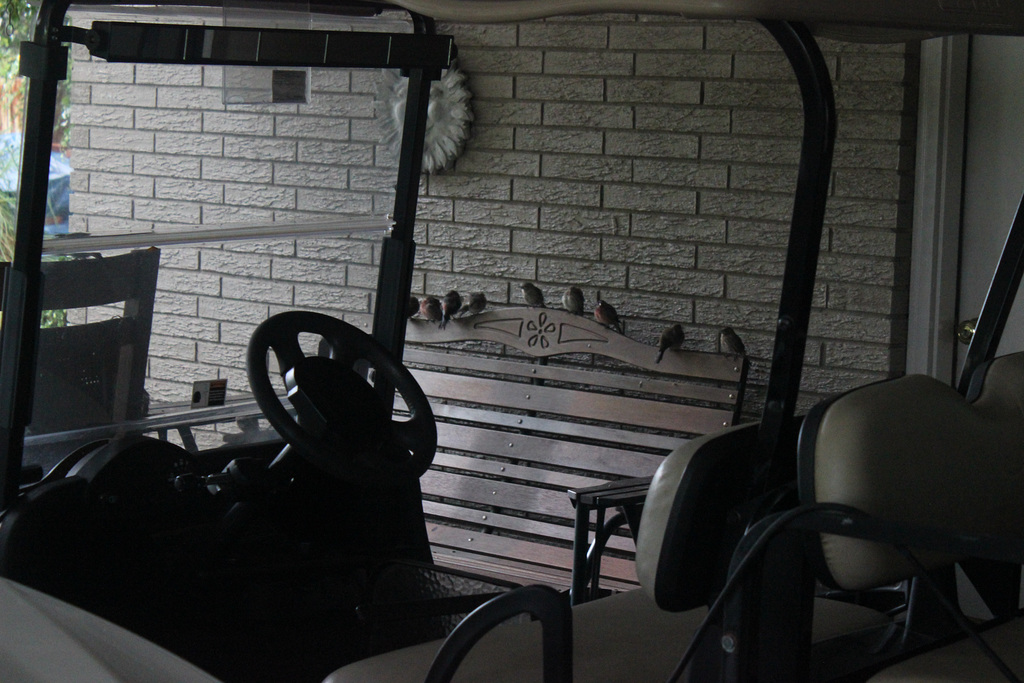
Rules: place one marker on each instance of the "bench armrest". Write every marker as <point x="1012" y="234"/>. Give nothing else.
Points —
<point x="626" y="494"/>
<point x="612" y="494"/>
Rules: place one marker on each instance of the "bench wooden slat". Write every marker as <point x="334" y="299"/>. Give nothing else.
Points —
<point x="596" y="377"/>
<point x="516" y="525"/>
<point x="499" y="493"/>
<point x="573" y="430"/>
<point x="512" y="570"/>
<point x="454" y="538"/>
<point x="531" y="476"/>
<point x="602" y="460"/>
<point x="602" y="407"/>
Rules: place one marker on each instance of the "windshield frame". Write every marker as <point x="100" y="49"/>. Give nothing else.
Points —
<point x="421" y="56"/>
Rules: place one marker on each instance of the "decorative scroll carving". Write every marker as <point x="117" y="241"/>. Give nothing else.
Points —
<point x="546" y="332"/>
<point x="569" y="333"/>
<point x="510" y="326"/>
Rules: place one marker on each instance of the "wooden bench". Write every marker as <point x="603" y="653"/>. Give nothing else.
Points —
<point x="532" y="402"/>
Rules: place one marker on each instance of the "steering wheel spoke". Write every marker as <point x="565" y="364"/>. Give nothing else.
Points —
<point x="410" y="433"/>
<point x="342" y="425"/>
<point x="288" y="352"/>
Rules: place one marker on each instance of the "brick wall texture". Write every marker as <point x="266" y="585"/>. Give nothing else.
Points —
<point x="649" y="160"/>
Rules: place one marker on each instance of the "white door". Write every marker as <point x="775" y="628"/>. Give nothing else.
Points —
<point x="968" y="182"/>
<point x="994" y="173"/>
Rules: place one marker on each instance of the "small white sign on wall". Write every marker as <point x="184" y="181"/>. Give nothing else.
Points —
<point x="266" y="84"/>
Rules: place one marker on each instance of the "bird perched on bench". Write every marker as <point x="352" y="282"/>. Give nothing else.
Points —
<point x="477" y="303"/>
<point x="450" y="305"/>
<point x="572" y="300"/>
<point x="606" y="315"/>
<point x="532" y="294"/>
<point x="671" y="338"/>
<point x="730" y="342"/>
<point x="413" y="307"/>
<point x="430" y="308"/>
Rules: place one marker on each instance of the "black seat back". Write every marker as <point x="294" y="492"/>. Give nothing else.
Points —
<point x="92" y="370"/>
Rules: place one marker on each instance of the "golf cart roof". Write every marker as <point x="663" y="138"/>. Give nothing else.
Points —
<point x="928" y="16"/>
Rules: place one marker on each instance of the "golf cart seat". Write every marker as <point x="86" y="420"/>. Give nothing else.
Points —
<point x="638" y="635"/>
<point x="933" y="464"/>
<point x="963" y="661"/>
<point x="44" y="639"/>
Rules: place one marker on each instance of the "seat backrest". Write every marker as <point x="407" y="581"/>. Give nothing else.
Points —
<point x="914" y="450"/>
<point x="685" y="538"/>
<point x="92" y="370"/>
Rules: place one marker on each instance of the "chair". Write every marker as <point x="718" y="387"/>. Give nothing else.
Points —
<point x="94" y="372"/>
<point x="898" y="480"/>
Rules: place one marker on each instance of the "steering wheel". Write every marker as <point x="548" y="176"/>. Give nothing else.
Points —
<point x="342" y="425"/>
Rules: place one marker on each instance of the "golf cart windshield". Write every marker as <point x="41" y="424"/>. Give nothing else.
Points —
<point x="145" y="320"/>
<point x="189" y="372"/>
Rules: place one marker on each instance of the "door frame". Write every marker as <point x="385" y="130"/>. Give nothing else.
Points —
<point x="938" y="205"/>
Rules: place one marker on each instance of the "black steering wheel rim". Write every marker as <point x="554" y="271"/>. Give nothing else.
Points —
<point x="402" y="451"/>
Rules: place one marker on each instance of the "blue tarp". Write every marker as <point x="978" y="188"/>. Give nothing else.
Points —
<point x="57" y="196"/>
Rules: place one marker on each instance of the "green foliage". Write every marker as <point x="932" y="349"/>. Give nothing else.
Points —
<point x="8" y="220"/>
<point x="16" y="20"/>
<point x="54" y="319"/>
<point x="17" y="23"/>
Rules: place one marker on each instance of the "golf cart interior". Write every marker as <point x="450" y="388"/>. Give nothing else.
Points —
<point x="248" y="532"/>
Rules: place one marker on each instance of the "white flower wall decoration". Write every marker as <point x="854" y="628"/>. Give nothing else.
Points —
<point x="449" y="116"/>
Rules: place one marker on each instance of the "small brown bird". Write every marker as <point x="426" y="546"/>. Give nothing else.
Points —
<point x="605" y="314"/>
<point x="413" y="307"/>
<point x="532" y="294"/>
<point x="450" y="305"/>
<point x="671" y="338"/>
<point x="477" y="303"/>
<point x="572" y="300"/>
<point x="730" y="342"/>
<point x="430" y="308"/>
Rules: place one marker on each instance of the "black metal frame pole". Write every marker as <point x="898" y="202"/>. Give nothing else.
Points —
<point x="399" y="248"/>
<point x="44" y="62"/>
<point x="998" y="583"/>
<point x="398" y="251"/>
<point x="819" y="133"/>
<point x="998" y="301"/>
<point x="543" y="603"/>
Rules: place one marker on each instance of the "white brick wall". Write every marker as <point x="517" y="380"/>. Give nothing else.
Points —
<point x="649" y="160"/>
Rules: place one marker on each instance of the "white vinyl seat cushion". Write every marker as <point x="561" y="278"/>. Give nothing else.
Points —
<point x="914" y="450"/>
<point x="43" y="640"/>
<point x="624" y="637"/>
<point x="963" y="662"/>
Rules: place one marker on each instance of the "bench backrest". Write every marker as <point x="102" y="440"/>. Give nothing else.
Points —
<point x="531" y="402"/>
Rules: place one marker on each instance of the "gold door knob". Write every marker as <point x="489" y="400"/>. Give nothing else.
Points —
<point x="965" y="330"/>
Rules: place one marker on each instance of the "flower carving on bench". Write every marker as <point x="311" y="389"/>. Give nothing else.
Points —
<point x="539" y="330"/>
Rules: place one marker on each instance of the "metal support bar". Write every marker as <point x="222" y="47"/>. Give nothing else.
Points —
<point x="399" y="249"/>
<point x="45" y="66"/>
<point x="580" y="540"/>
<point x="766" y="629"/>
<point x="541" y="602"/>
<point x="194" y="44"/>
<point x="804" y="242"/>
<point x="998" y="301"/>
